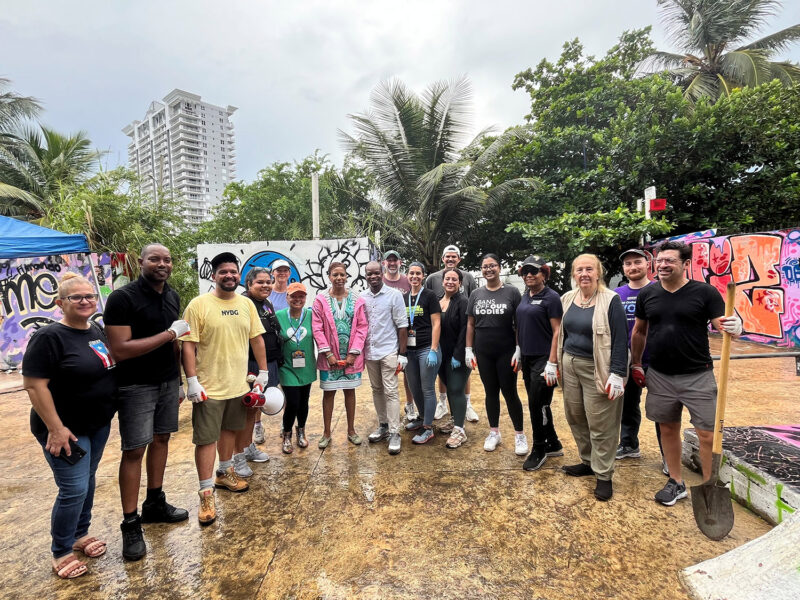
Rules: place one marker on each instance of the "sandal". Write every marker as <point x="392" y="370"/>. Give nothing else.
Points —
<point x="91" y="547"/>
<point x="70" y="567"/>
<point x="354" y="439"/>
<point x="324" y="441"/>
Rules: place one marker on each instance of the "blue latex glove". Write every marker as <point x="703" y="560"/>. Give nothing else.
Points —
<point x="455" y="363"/>
<point x="432" y="359"/>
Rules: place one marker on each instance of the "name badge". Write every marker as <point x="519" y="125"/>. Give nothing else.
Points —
<point x="298" y="359"/>
<point x="412" y="338"/>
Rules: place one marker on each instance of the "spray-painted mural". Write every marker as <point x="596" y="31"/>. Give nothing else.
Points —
<point x="308" y="260"/>
<point x="766" y="270"/>
<point x="28" y="291"/>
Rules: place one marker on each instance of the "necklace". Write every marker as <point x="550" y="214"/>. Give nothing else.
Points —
<point x="585" y="303"/>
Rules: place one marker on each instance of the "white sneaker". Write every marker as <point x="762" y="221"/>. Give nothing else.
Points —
<point x="411" y="411"/>
<point x="441" y="410"/>
<point x="253" y="454"/>
<point x="491" y="441"/>
<point x="258" y="433"/>
<point x="240" y="466"/>
<point x="472" y="416"/>
<point x="520" y="444"/>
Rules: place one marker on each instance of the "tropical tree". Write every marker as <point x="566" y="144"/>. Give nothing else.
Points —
<point x="715" y="56"/>
<point x="431" y="186"/>
<point x="14" y="111"/>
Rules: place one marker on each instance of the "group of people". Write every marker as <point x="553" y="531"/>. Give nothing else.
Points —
<point x="591" y="341"/>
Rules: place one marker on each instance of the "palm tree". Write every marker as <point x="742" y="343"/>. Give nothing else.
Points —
<point x="36" y="163"/>
<point x="14" y="111"/>
<point x="431" y="188"/>
<point x="715" y="56"/>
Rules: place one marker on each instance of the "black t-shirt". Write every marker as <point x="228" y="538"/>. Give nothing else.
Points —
<point x="454" y="329"/>
<point x="495" y="316"/>
<point x="534" y="331"/>
<point x="272" y="335"/>
<point x="148" y="313"/>
<point x="428" y="304"/>
<point x="81" y="373"/>
<point x="677" y="334"/>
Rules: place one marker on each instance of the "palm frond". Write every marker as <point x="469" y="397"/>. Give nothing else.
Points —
<point x="17" y="202"/>
<point x="701" y="84"/>
<point x="785" y="72"/>
<point x="662" y="61"/>
<point x="14" y="109"/>
<point x="775" y="42"/>
<point x="745" y="67"/>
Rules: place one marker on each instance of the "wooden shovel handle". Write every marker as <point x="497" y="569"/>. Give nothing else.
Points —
<point x="724" y="364"/>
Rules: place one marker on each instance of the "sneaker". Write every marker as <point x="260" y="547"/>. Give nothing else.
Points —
<point x="394" y="443"/>
<point x="258" y="433"/>
<point x="471" y="416"/>
<point x="160" y="511"/>
<point x="553" y="449"/>
<point x="229" y="480"/>
<point x="671" y="493"/>
<point x="423" y="437"/>
<point x="457" y="438"/>
<point x="414" y="424"/>
<point x="520" y="444"/>
<point x="381" y="433"/>
<point x="287" y="447"/>
<point x="446" y="428"/>
<point x="536" y="459"/>
<point x="207" y="511"/>
<point x="491" y="441"/>
<point x="411" y="411"/>
<point x="628" y="452"/>
<point x="133" y="546"/>
<point x="603" y="490"/>
<point x="302" y="440"/>
<point x="579" y="470"/>
<point x="240" y="466"/>
<point x="441" y="410"/>
<point x="253" y="454"/>
<point x="664" y="467"/>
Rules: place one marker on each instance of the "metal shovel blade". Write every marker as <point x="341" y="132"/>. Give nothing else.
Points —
<point x="713" y="509"/>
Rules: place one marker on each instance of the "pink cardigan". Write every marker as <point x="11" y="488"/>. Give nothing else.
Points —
<point x="327" y="338"/>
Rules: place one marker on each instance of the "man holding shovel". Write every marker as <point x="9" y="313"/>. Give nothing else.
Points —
<point x="672" y="317"/>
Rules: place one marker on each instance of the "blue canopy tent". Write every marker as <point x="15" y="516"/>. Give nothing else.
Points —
<point x="19" y="239"/>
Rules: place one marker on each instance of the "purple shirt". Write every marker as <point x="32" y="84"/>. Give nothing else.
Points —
<point x="628" y="297"/>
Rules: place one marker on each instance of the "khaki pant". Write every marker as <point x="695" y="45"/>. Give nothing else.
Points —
<point x="383" y="380"/>
<point x="592" y="417"/>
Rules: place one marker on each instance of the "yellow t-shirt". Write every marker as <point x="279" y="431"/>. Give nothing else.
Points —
<point x="222" y="330"/>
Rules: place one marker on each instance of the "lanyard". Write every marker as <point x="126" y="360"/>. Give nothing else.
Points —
<point x="413" y="312"/>
<point x="297" y="331"/>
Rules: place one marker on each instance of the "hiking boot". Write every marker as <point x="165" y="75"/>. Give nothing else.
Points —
<point x="208" y="510"/>
<point x="423" y="437"/>
<point x="457" y="438"/>
<point x="258" y="433"/>
<point x="287" y="447"/>
<point x="671" y="493"/>
<point x="627" y="452"/>
<point x="229" y="480"/>
<point x="394" y="443"/>
<point x="381" y="433"/>
<point x="240" y="466"/>
<point x="133" y="546"/>
<point x="579" y="470"/>
<point x="553" y="448"/>
<point x="603" y="490"/>
<point x="253" y="454"/>
<point x="160" y="511"/>
<point x="302" y="441"/>
<point x="536" y="459"/>
<point x="491" y="441"/>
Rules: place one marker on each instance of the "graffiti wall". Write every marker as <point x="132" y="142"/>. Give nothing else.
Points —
<point x="766" y="270"/>
<point x="309" y="260"/>
<point x="28" y="291"/>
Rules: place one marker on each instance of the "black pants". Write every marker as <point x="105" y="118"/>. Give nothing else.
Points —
<point x="632" y="416"/>
<point x="296" y="405"/>
<point x="497" y="375"/>
<point x="540" y="395"/>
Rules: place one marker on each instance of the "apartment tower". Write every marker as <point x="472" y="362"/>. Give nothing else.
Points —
<point x="185" y="145"/>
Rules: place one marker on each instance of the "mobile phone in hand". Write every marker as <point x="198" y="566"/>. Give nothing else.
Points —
<point x="77" y="453"/>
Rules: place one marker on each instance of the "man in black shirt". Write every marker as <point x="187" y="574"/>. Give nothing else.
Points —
<point x="142" y="325"/>
<point x="672" y="318"/>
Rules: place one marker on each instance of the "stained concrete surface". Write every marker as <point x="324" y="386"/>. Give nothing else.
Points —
<point x="357" y="523"/>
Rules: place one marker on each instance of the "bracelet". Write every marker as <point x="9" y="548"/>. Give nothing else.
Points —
<point x="329" y="354"/>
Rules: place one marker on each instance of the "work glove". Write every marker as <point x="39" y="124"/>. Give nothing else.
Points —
<point x="180" y="328"/>
<point x="639" y="376"/>
<point x="469" y="358"/>
<point x="402" y="363"/>
<point x="455" y="363"/>
<point x="261" y="381"/>
<point x="615" y="387"/>
<point x="732" y="325"/>
<point x="197" y="392"/>
<point x="432" y="359"/>
<point x="516" y="359"/>
<point x="550" y="373"/>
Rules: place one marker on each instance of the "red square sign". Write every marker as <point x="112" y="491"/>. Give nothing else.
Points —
<point x="658" y="204"/>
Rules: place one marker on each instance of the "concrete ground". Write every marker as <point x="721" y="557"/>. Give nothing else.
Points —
<point x="354" y="522"/>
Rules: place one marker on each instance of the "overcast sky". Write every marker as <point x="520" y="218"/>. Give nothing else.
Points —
<point x="293" y="69"/>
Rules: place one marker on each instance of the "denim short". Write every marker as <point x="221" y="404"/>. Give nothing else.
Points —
<point x="147" y="410"/>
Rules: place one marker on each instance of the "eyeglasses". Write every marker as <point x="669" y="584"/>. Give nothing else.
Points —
<point x="77" y="298"/>
<point x="489" y="267"/>
<point x="667" y="261"/>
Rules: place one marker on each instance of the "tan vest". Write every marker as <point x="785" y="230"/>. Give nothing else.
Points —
<point x="601" y="338"/>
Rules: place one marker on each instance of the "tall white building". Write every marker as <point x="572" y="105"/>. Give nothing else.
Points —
<point x="186" y="145"/>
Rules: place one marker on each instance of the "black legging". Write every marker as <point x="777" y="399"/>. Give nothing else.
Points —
<point x="540" y="395"/>
<point x="296" y="405"/>
<point x="497" y="375"/>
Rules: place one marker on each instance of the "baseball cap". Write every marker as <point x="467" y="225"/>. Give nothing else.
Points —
<point x="295" y="287"/>
<point x="531" y="264"/>
<point x="389" y="253"/>
<point x="451" y="248"/>
<point x="281" y="263"/>
<point x="637" y="251"/>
